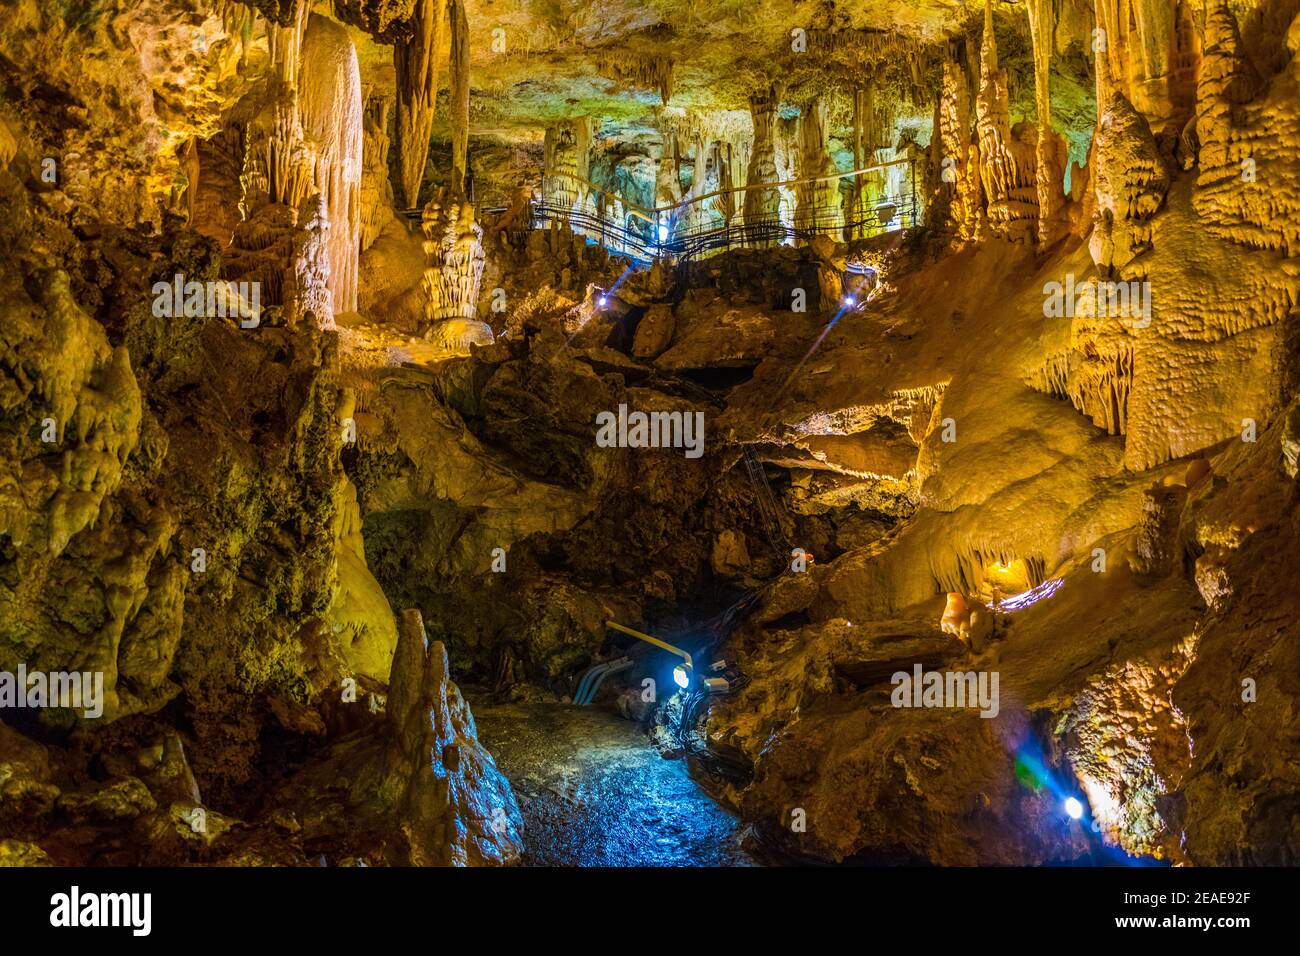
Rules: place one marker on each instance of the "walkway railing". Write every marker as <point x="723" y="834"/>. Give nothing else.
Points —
<point x="628" y="229"/>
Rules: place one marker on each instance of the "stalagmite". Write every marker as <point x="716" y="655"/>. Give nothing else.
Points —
<point x="706" y="179"/>
<point x="1007" y="161"/>
<point x="959" y="158"/>
<point x="761" y="206"/>
<point x="668" y="179"/>
<point x="306" y="286"/>
<point x="873" y="124"/>
<point x="376" y="188"/>
<point x="454" y="807"/>
<point x="817" y="202"/>
<point x="454" y="246"/>
<point x="416" y="64"/>
<point x="1130" y="180"/>
<point x="189" y="163"/>
<point x="858" y="199"/>
<point x="732" y="159"/>
<point x="1228" y="80"/>
<point x="330" y="97"/>
<point x="1051" y="154"/>
<point x="458" y="97"/>
<point x="567" y="162"/>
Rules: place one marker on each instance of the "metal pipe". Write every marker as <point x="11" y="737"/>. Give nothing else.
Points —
<point x="655" y="641"/>
<point x="579" y="695"/>
<point x="617" y="667"/>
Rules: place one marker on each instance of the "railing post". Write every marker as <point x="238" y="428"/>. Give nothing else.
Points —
<point x="911" y="166"/>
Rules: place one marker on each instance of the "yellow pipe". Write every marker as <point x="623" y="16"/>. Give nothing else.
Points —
<point x="655" y="641"/>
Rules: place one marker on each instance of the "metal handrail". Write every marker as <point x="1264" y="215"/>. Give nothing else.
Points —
<point x="657" y="213"/>
<point x="637" y="235"/>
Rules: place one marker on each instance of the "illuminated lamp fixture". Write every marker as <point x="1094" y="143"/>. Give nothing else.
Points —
<point x="1074" y="808"/>
<point x="682" y="672"/>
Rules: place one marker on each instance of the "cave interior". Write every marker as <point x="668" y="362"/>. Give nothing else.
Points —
<point x="504" y="432"/>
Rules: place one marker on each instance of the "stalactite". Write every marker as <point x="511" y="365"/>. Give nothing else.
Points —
<point x="1051" y="153"/>
<point x="1100" y="384"/>
<point x="385" y="20"/>
<point x="279" y="162"/>
<point x="1147" y="51"/>
<point x="416" y="64"/>
<point x="284" y="44"/>
<point x="646" y="72"/>
<point x="332" y="115"/>
<point x="1006" y="162"/>
<point x="1052" y="377"/>
<point x="458" y="98"/>
<point x="762" y="205"/>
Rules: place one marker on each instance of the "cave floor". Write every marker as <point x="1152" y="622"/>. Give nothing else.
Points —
<point x="595" y="792"/>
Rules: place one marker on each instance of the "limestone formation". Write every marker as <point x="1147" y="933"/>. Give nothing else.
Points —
<point x="567" y="160"/>
<point x="958" y="156"/>
<point x="458" y="98"/>
<point x="454" y="246"/>
<point x="377" y="201"/>
<point x="1007" y="160"/>
<point x="761" y="204"/>
<point x="331" y="105"/>
<point x="415" y="61"/>
<point x="1130" y="182"/>
<point x="1050" y="150"/>
<point x="818" y="196"/>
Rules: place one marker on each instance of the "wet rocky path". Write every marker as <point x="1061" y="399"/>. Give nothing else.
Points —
<point x="595" y="792"/>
